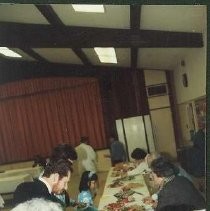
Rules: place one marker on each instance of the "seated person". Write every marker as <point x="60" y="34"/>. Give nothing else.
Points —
<point x="179" y="170"/>
<point x="67" y="152"/>
<point x="174" y="190"/>
<point x="139" y="160"/>
<point x="181" y="207"/>
<point x="53" y="181"/>
<point x="38" y="204"/>
<point x="87" y="189"/>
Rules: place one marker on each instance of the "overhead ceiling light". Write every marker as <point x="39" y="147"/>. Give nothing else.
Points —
<point x="88" y="8"/>
<point x="7" y="52"/>
<point x="106" y="55"/>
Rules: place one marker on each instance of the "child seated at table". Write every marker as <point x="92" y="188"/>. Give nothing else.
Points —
<point x="87" y="188"/>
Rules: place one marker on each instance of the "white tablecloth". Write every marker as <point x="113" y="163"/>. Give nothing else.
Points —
<point x="1" y="201"/>
<point x="10" y="183"/>
<point x="33" y="171"/>
<point x="108" y="194"/>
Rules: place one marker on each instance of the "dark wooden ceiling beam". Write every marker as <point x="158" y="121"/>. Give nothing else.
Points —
<point x="82" y="56"/>
<point x="11" y="70"/>
<point x="33" y="54"/>
<point x="47" y="36"/>
<point x="135" y="14"/>
<point x="48" y="12"/>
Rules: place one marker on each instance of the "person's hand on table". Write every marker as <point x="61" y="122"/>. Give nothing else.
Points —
<point x="150" y="201"/>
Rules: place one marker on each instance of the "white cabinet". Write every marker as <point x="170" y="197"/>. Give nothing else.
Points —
<point x="136" y="132"/>
<point x="163" y="131"/>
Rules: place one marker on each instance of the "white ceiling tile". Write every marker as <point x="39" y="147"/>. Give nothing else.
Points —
<point x="185" y="18"/>
<point x="21" y="13"/>
<point x="59" y="55"/>
<point x="115" y="16"/>
<point x="122" y="54"/>
<point x="161" y="58"/>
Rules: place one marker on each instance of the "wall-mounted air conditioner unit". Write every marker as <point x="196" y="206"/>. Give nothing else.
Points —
<point x="157" y="90"/>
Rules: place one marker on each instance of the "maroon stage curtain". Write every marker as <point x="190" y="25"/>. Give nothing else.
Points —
<point x="36" y="115"/>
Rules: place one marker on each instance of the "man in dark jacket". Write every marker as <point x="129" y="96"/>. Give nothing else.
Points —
<point x="174" y="190"/>
<point x="117" y="151"/>
<point x="53" y="181"/>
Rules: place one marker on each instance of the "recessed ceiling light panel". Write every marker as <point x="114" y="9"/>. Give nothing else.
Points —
<point x="106" y="55"/>
<point x="88" y="8"/>
<point x="7" y="52"/>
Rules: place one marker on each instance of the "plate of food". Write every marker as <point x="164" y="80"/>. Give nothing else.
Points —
<point x="126" y="200"/>
<point x="115" y="174"/>
<point x="133" y="207"/>
<point x="117" y="206"/>
<point x="116" y="184"/>
<point x="133" y="185"/>
<point x="124" y="193"/>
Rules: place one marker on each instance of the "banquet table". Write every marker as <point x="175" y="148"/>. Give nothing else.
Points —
<point x="10" y="183"/>
<point x="33" y="171"/>
<point x="108" y="194"/>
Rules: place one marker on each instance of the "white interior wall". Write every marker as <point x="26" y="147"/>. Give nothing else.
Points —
<point x="195" y="68"/>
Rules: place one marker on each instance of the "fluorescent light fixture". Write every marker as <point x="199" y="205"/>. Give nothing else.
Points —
<point x="7" y="52"/>
<point x="106" y="55"/>
<point x="88" y="8"/>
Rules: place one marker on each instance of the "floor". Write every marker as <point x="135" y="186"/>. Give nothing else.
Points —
<point x="73" y="189"/>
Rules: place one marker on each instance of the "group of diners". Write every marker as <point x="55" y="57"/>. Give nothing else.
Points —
<point x="175" y="190"/>
<point x="52" y="184"/>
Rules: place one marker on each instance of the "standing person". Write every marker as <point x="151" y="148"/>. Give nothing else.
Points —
<point x="174" y="190"/>
<point x="53" y="181"/>
<point x="87" y="189"/>
<point x="87" y="156"/>
<point x="117" y="151"/>
<point x="64" y="151"/>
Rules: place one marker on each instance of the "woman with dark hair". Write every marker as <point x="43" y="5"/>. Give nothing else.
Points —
<point x="141" y="165"/>
<point x="174" y="190"/>
<point x="87" y="188"/>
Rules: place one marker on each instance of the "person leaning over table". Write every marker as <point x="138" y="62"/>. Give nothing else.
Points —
<point x="173" y="189"/>
<point x="53" y="181"/>
<point x="179" y="170"/>
<point x="138" y="155"/>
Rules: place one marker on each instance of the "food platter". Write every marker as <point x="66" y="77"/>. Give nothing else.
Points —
<point x="133" y="185"/>
<point x="133" y="207"/>
<point x="116" y="184"/>
<point x="124" y="194"/>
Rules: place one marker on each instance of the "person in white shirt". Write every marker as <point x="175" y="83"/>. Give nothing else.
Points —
<point x="139" y="155"/>
<point x="88" y="158"/>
